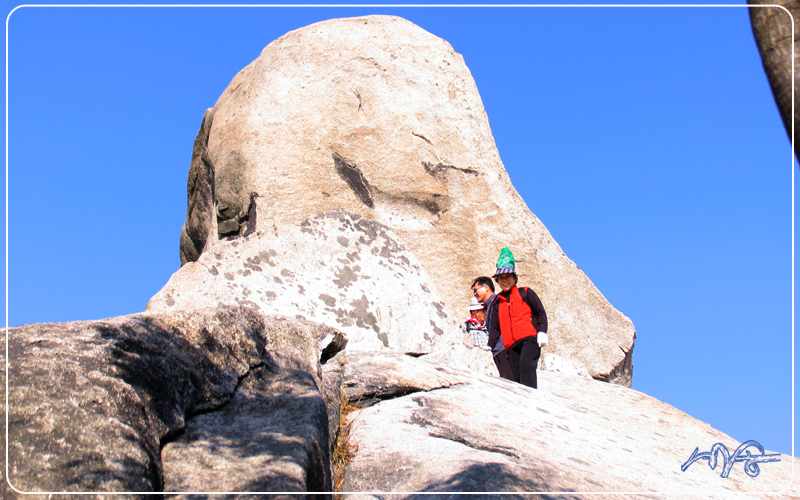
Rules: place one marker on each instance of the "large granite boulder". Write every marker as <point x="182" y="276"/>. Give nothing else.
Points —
<point x="134" y="403"/>
<point x="376" y="116"/>
<point x="427" y="428"/>
<point x="335" y="268"/>
<point x="228" y="400"/>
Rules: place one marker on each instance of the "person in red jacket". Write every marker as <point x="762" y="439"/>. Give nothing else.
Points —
<point x="519" y="318"/>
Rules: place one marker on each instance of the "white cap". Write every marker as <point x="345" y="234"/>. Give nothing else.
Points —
<point x="474" y="305"/>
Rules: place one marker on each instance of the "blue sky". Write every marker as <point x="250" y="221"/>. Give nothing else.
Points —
<point x="645" y="139"/>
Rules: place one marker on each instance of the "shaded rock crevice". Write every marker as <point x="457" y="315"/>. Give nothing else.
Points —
<point x="200" y="211"/>
<point x="436" y="170"/>
<point x="622" y="373"/>
<point x="469" y="441"/>
<point x="132" y="381"/>
<point x="352" y="175"/>
<point x="422" y="137"/>
<point x="272" y="436"/>
<point x="432" y="203"/>
<point x="241" y="224"/>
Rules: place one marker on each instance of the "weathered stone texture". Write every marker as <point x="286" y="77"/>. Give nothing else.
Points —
<point x="91" y="403"/>
<point x="273" y="436"/>
<point x="335" y="268"/>
<point x="383" y="119"/>
<point x="434" y="428"/>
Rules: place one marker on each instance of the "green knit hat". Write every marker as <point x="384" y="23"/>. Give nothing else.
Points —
<point x="505" y="263"/>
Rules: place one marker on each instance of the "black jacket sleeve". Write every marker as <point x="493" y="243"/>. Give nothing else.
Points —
<point x="538" y="315"/>
<point x="494" y="325"/>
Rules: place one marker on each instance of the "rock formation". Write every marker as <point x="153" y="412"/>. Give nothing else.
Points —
<point x="380" y="118"/>
<point x="122" y="404"/>
<point x="335" y="268"/>
<point x="327" y="254"/>
<point x="227" y="400"/>
<point x="466" y="432"/>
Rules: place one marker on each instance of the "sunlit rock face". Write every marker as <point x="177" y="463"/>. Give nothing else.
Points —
<point x="378" y="117"/>
<point x="440" y="429"/>
<point x="336" y="268"/>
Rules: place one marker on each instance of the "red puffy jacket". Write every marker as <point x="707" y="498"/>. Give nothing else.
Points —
<point x="515" y="317"/>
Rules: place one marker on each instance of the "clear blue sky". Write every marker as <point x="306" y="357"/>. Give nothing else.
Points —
<point x="645" y="139"/>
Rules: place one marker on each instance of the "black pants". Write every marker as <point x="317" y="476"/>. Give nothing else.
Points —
<point x="503" y="366"/>
<point x="523" y="357"/>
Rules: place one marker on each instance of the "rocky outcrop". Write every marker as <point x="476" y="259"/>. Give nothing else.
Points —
<point x="272" y="436"/>
<point x="328" y="249"/>
<point x="380" y="118"/>
<point x="335" y="268"/>
<point x="433" y="428"/>
<point x="153" y="401"/>
<point x="228" y="400"/>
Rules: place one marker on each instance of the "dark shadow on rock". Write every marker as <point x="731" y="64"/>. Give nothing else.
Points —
<point x="90" y="402"/>
<point x="272" y="436"/>
<point x="491" y="477"/>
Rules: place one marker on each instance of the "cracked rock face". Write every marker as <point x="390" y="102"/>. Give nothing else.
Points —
<point x="92" y="403"/>
<point x="334" y="268"/>
<point x="383" y="119"/>
<point x="431" y="428"/>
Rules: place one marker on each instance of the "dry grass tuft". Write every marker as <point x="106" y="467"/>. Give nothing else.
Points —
<point x="342" y="450"/>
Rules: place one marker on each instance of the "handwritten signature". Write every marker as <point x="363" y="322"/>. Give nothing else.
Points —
<point x="742" y="454"/>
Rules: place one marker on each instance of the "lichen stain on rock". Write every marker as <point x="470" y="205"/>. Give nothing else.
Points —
<point x="440" y="310"/>
<point x="252" y="263"/>
<point x="267" y="256"/>
<point x="343" y="241"/>
<point x="362" y="316"/>
<point x="277" y="280"/>
<point x="287" y="273"/>
<point x="229" y="276"/>
<point x="342" y="317"/>
<point x="271" y="294"/>
<point x="384" y="338"/>
<point x="436" y="330"/>
<point x="345" y="277"/>
<point x="305" y="227"/>
<point x="328" y="300"/>
<point x="213" y="270"/>
<point x="369" y="229"/>
<point x="248" y="303"/>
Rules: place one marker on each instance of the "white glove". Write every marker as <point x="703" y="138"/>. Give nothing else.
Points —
<point x="542" y="338"/>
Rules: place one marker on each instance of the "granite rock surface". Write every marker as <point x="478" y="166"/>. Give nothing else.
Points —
<point x="334" y="268"/>
<point x="433" y="428"/>
<point x="377" y="116"/>
<point x="91" y="404"/>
